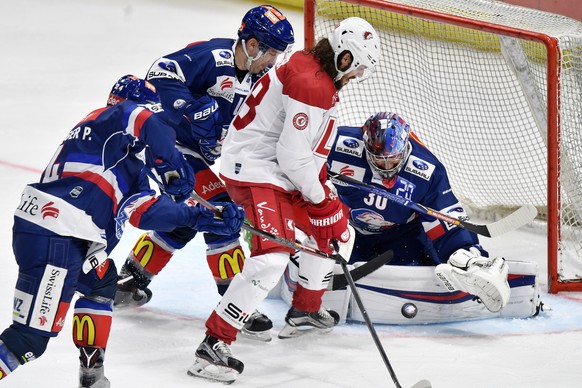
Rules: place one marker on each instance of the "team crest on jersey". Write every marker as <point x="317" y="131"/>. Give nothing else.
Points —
<point x="347" y="170"/>
<point x="419" y="167"/>
<point x="223" y="57"/>
<point x="369" y="220"/>
<point x="223" y="88"/>
<point x="300" y="121"/>
<point x="349" y="145"/>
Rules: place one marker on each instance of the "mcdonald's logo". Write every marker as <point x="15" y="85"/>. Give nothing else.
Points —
<point x="79" y="329"/>
<point x="231" y="263"/>
<point x="144" y="248"/>
<point x="2" y="374"/>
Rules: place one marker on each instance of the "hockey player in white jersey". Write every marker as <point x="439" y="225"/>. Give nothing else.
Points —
<point x="273" y="164"/>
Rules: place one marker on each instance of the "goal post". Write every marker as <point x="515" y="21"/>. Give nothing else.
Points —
<point x="495" y="90"/>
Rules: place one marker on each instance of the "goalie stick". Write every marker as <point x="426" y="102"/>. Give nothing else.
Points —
<point x="340" y="281"/>
<point x="300" y="247"/>
<point x="518" y="218"/>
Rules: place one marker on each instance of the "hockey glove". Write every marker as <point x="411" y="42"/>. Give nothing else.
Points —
<point x="328" y="222"/>
<point x="212" y="148"/>
<point x="230" y="221"/>
<point x="203" y="116"/>
<point x="484" y="277"/>
<point x="177" y="178"/>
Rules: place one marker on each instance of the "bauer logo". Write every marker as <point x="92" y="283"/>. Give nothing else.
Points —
<point x="419" y="167"/>
<point x="223" y="58"/>
<point x="349" y="145"/>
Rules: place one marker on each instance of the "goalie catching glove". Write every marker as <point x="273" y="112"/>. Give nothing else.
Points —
<point x="328" y="222"/>
<point x="484" y="277"/>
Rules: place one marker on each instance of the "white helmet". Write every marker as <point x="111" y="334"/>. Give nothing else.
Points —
<point x="359" y="38"/>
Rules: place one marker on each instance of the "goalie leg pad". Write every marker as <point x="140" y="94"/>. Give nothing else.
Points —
<point x="485" y="278"/>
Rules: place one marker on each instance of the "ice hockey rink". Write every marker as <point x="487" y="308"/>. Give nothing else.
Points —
<point x="59" y="61"/>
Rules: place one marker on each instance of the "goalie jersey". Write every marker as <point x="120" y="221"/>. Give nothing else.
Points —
<point x="422" y="179"/>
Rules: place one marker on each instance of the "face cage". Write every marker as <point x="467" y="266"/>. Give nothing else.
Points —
<point x="390" y="173"/>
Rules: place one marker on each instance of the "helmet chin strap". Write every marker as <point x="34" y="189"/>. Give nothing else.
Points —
<point x="250" y="59"/>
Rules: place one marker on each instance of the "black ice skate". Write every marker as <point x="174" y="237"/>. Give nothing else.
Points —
<point x="258" y="327"/>
<point x="132" y="290"/>
<point x="91" y="372"/>
<point x="215" y="362"/>
<point x="301" y="322"/>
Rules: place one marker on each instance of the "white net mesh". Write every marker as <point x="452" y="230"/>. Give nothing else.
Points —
<point x="479" y="101"/>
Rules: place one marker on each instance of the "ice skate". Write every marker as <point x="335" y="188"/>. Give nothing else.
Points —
<point x="301" y="322"/>
<point x="129" y="294"/>
<point x="215" y="362"/>
<point x="91" y="371"/>
<point x="258" y="327"/>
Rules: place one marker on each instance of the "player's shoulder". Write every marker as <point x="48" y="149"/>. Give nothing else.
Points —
<point x="304" y="80"/>
<point x="422" y="164"/>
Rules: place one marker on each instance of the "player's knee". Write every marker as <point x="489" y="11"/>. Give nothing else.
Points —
<point x="23" y="344"/>
<point x="267" y="267"/>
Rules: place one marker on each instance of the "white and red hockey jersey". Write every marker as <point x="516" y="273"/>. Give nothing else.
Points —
<point x="283" y="133"/>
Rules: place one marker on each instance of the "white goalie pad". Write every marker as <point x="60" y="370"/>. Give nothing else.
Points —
<point x="405" y="295"/>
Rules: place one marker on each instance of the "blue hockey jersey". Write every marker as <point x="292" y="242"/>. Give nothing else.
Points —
<point x="201" y="69"/>
<point x="96" y="180"/>
<point x="422" y="179"/>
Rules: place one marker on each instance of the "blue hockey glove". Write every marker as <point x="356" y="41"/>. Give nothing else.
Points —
<point x="203" y="116"/>
<point x="230" y="221"/>
<point x="177" y="178"/>
<point x="212" y="148"/>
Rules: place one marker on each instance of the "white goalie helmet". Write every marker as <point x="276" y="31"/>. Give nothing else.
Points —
<point x="357" y="36"/>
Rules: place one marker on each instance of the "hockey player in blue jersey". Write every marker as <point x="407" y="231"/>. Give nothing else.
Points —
<point x="69" y="221"/>
<point x="383" y="152"/>
<point x="201" y="87"/>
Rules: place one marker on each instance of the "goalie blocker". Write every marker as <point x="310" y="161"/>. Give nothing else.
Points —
<point x="404" y="295"/>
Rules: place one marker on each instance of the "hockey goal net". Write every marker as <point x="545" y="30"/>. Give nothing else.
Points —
<point x="495" y="91"/>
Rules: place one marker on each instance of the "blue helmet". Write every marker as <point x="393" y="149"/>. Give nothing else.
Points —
<point x="130" y="87"/>
<point x="386" y="141"/>
<point x="269" y="26"/>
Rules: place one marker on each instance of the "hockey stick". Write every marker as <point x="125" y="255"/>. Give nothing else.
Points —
<point x="371" y="329"/>
<point x="266" y="235"/>
<point x="518" y="218"/>
<point x="337" y="258"/>
<point x="340" y="281"/>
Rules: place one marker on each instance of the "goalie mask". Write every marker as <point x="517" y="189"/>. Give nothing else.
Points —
<point x="269" y="27"/>
<point x="130" y="87"/>
<point x="386" y="141"/>
<point x="359" y="38"/>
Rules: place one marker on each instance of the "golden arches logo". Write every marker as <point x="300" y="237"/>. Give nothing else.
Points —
<point x="235" y="263"/>
<point x="146" y="245"/>
<point x="2" y="374"/>
<point x="79" y="329"/>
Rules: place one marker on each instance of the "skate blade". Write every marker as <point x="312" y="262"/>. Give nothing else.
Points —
<point x="294" y="332"/>
<point x="262" y="336"/>
<point x="208" y="371"/>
